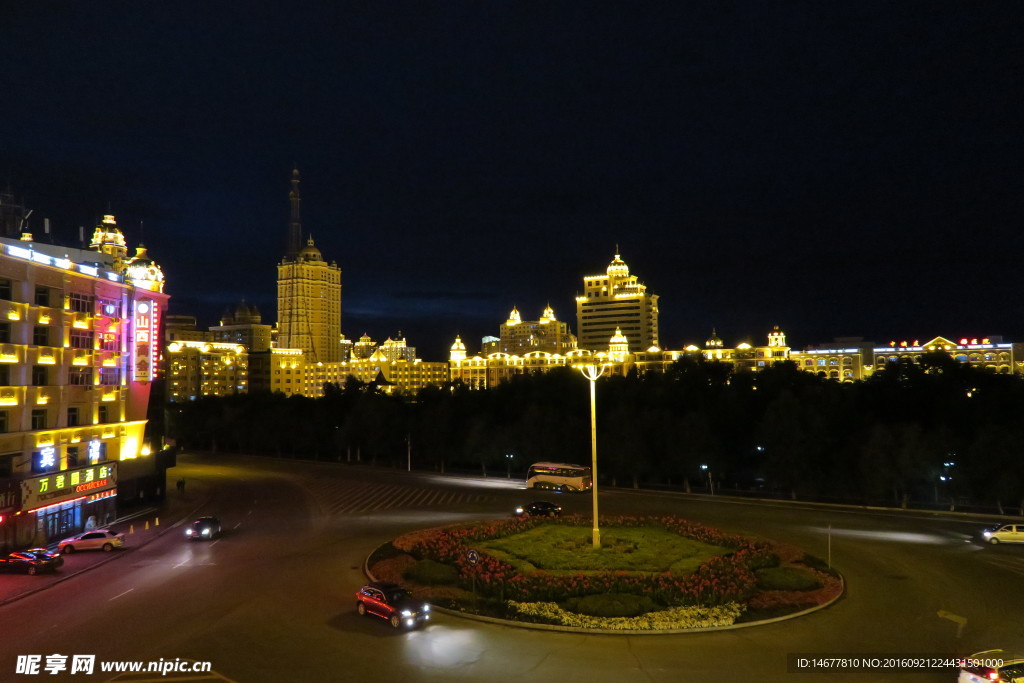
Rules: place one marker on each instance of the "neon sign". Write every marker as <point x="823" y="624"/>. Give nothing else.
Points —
<point x="146" y="323"/>
<point x="67" y="485"/>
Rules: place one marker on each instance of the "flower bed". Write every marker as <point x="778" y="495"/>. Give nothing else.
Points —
<point x="716" y="594"/>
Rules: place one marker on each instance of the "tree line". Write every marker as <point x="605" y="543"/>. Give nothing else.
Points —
<point x="930" y="431"/>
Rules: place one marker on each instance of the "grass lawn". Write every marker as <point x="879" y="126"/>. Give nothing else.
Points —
<point x="559" y="548"/>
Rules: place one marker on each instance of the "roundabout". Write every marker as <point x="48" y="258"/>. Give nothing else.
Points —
<point x="652" y="575"/>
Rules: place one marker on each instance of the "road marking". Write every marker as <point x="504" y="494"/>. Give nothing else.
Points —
<point x="179" y="564"/>
<point x="956" y="619"/>
<point x="237" y="525"/>
<point x="120" y="594"/>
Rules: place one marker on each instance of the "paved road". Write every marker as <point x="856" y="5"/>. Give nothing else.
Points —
<point x="272" y="599"/>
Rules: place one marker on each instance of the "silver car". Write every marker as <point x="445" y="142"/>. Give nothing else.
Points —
<point x="97" y="539"/>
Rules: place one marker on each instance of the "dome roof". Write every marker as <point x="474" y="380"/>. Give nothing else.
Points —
<point x="310" y="252"/>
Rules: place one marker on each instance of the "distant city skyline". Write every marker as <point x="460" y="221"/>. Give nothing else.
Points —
<point x="837" y="169"/>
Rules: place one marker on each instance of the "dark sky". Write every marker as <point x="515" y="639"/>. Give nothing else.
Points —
<point x="837" y="168"/>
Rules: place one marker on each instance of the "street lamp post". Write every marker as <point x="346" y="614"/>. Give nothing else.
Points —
<point x="593" y="372"/>
<point x="711" y="486"/>
<point x="508" y="461"/>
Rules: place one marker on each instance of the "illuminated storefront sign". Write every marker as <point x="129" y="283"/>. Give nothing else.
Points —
<point x="45" y="459"/>
<point x="145" y="323"/>
<point x="60" y="486"/>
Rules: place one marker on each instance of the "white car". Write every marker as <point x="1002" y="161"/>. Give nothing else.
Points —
<point x="992" y="665"/>
<point x="97" y="539"/>
<point x="1006" y="533"/>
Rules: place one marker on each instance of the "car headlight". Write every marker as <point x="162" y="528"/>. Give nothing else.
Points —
<point x="426" y="608"/>
<point x="406" y="613"/>
<point x="188" y="532"/>
<point x="206" y="532"/>
<point x="519" y="511"/>
<point x="986" y="534"/>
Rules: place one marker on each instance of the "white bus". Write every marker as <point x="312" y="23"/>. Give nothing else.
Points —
<point x="559" y="476"/>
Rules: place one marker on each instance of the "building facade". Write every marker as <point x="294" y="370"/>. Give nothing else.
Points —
<point x="519" y="337"/>
<point x="308" y="295"/>
<point x="616" y="300"/>
<point x="79" y="351"/>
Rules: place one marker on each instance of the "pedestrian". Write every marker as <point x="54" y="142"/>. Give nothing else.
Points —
<point x="181" y="486"/>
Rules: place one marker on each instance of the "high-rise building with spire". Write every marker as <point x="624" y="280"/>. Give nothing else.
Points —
<point x="308" y="294"/>
<point x="616" y="303"/>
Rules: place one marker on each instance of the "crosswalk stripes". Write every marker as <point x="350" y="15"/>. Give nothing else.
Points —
<point x="338" y="496"/>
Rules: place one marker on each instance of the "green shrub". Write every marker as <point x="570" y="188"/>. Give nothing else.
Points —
<point x="432" y="573"/>
<point x="610" y="605"/>
<point x="819" y="564"/>
<point x="785" y="579"/>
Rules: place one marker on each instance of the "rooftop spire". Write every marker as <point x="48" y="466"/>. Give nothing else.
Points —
<point x="295" y="224"/>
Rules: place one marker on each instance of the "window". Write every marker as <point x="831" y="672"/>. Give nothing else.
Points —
<point x="80" y="377"/>
<point x="103" y="414"/>
<point x="109" y="307"/>
<point x="5" y="375"/>
<point x="72" y="456"/>
<point x="42" y="296"/>
<point x="81" y="339"/>
<point x="109" y="342"/>
<point x="39" y="418"/>
<point x="40" y="376"/>
<point x="81" y="303"/>
<point x="6" y="290"/>
<point x="110" y="377"/>
<point x="73" y="417"/>
<point x="5" y="333"/>
<point x="6" y="465"/>
<point x="3" y="421"/>
<point x="41" y="335"/>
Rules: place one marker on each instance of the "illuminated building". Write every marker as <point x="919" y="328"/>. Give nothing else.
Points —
<point x="744" y="356"/>
<point x="79" y="332"/>
<point x="519" y="337"/>
<point x="308" y="295"/>
<point x="243" y="326"/>
<point x="203" y="368"/>
<point x="616" y="300"/>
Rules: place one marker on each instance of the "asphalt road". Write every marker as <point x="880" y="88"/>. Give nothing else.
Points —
<point x="272" y="599"/>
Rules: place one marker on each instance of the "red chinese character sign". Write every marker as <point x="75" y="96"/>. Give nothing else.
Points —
<point x="145" y="323"/>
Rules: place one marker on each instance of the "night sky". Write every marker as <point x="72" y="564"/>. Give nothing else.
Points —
<point x="836" y="168"/>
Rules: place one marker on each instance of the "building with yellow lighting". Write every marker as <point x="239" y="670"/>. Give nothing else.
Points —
<point x="308" y="294"/>
<point x="204" y="368"/>
<point x="518" y="337"/>
<point x="79" y="346"/>
<point x="614" y="301"/>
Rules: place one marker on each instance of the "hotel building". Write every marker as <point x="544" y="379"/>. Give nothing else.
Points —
<point x="79" y="331"/>
<point x="614" y="301"/>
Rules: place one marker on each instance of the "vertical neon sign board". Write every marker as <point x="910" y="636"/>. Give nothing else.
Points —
<point x="144" y="321"/>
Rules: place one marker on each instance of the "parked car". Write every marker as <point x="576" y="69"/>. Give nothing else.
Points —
<point x="97" y="539"/>
<point x="32" y="561"/>
<point x="393" y="603"/>
<point x="992" y="665"/>
<point x="203" y="528"/>
<point x="539" y="508"/>
<point x="1004" y="533"/>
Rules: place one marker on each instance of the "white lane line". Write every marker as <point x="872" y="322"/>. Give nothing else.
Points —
<point x="180" y="563"/>
<point x="120" y="594"/>
<point x="237" y="525"/>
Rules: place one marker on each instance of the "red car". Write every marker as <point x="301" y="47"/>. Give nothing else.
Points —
<point x="392" y="602"/>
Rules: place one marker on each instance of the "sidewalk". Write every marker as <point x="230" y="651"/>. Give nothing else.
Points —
<point x="139" y="528"/>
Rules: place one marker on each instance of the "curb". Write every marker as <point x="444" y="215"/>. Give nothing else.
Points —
<point x="609" y="631"/>
<point x="113" y="556"/>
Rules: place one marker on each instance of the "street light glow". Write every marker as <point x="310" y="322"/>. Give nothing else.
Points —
<point x="592" y="373"/>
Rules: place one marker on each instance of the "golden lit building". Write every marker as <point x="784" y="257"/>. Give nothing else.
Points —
<point x="519" y="337"/>
<point x="308" y="295"/>
<point x="79" y="349"/>
<point x="204" y="368"/>
<point x="616" y="300"/>
<point x="744" y="356"/>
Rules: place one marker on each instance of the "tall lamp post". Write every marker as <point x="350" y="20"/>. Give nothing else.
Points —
<point x="508" y="461"/>
<point x="593" y="372"/>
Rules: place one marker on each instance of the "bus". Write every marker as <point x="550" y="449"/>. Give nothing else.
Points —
<point x="559" y="476"/>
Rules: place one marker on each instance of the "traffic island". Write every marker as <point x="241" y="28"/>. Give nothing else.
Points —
<point x="650" y="574"/>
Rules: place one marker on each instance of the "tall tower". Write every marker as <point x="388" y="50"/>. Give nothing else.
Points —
<point x="615" y="303"/>
<point x="308" y="294"/>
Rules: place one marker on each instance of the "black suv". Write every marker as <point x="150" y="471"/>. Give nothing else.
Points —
<point x="203" y="528"/>
<point x="392" y="602"/>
